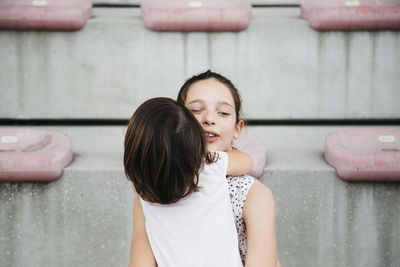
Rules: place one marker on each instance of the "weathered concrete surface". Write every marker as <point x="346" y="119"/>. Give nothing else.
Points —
<point x="81" y="220"/>
<point x="84" y="219"/>
<point x="254" y="2"/>
<point x="322" y="220"/>
<point x="284" y="69"/>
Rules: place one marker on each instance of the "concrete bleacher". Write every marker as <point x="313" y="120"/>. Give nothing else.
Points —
<point x="285" y="71"/>
<point x="333" y="75"/>
<point x="138" y="2"/>
<point x="84" y="218"/>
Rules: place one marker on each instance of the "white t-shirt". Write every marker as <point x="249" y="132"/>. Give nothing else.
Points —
<point x="198" y="231"/>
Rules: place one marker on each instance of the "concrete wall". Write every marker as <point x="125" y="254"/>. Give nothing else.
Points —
<point x="84" y="218"/>
<point x="254" y="2"/>
<point x="283" y="68"/>
<point x="322" y="221"/>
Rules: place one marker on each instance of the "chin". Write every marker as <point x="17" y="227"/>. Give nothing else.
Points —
<point x="216" y="147"/>
<point x="212" y="148"/>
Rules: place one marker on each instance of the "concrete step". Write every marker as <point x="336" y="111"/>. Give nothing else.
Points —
<point x="84" y="218"/>
<point x="253" y="2"/>
<point x="284" y="69"/>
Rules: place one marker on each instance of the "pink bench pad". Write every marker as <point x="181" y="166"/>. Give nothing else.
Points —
<point x="196" y="15"/>
<point x="352" y="14"/>
<point x="251" y="144"/>
<point x="44" y="14"/>
<point x="33" y="155"/>
<point x="365" y="154"/>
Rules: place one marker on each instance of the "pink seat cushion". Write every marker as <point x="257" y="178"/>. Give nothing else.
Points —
<point x="44" y="14"/>
<point x="251" y="144"/>
<point x="196" y="15"/>
<point x="365" y="154"/>
<point x="352" y="14"/>
<point x="33" y="155"/>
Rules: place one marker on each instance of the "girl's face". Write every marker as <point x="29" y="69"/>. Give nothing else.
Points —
<point x="212" y="104"/>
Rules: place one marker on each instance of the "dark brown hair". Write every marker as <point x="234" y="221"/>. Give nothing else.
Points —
<point x="212" y="75"/>
<point x="165" y="148"/>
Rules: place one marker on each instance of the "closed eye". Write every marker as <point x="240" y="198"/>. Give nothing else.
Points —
<point x="224" y="114"/>
<point x="196" y="111"/>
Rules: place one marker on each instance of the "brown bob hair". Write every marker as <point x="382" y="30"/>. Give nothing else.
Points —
<point x="164" y="150"/>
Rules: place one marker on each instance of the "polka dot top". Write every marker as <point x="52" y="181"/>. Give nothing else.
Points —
<point x="239" y="187"/>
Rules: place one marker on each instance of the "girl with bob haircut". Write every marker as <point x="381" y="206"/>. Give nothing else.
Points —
<point x="183" y="212"/>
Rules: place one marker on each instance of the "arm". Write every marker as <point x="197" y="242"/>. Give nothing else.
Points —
<point x="238" y="162"/>
<point x="141" y="253"/>
<point x="259" y="217"/>
<point x="252" y="144"/>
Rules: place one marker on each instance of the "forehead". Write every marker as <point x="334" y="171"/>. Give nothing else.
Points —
<point x="210" y="91"/>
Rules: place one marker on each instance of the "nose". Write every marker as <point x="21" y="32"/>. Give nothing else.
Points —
<point x="208" y="118"/>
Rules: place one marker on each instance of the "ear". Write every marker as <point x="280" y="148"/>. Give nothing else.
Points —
<point x="238" y="129"/>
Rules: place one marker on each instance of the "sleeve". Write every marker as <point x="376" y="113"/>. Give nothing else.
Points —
<point x="222" y="162"/>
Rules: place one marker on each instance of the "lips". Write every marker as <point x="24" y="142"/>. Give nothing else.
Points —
<point x="211" y="136"/>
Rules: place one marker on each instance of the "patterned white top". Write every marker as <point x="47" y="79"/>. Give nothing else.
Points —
<point x="239" y="187"/>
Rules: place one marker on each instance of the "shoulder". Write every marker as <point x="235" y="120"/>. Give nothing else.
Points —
<point x="259" y="218"/>
<point x="259" y="198"/>
<point x="216" y="157"/>
<point x="219" y="161"/>
<point x="260" y="190"/>
<point x="220" y="155"/>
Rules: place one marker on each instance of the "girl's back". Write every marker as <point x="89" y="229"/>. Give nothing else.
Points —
<point x="198" y="230"/>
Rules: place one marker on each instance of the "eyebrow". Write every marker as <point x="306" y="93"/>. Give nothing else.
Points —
<point x="220" y="103"/>
<point x="196" y="101"/>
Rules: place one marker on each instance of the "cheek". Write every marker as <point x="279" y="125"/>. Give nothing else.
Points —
<point x="232" y="126"/>
<point x="198" y="117"/>
<point x="229" y="131"/>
